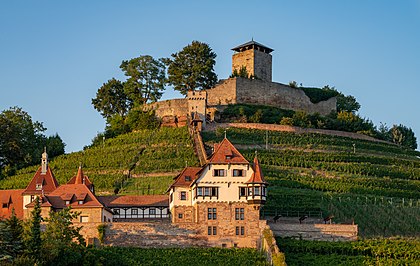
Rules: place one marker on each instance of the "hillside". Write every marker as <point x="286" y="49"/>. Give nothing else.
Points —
<point x="154" y="157"/>
<point x="378" y="186"/>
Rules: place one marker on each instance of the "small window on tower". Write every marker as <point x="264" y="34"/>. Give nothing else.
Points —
<point x="38" y="186"/>
<point x="187" y="178"/>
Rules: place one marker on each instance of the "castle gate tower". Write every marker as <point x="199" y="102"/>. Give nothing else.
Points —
<point x="255" y="57"/>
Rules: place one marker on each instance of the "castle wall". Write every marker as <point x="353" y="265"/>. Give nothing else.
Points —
<point x="174" y="107"/>
<point x="252" y="91"/>
<point x="223" y="93"/>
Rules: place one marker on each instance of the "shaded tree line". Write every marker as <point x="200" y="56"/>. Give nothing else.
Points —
<point x="23" y="242"/>
<point x="122" y="103"/>
<point x="22" y="141"/>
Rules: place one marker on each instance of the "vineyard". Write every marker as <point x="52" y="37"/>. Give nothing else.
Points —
<point x="367" y="252"/>
<point x="374" y="184"/>
<point x="146" y="151"/>
<point x="185" y="256"/>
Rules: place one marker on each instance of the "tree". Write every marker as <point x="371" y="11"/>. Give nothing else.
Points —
<point x="147" y="79"/>
<point x="33" y="233"/>
<point x="193" y="68"/>
<point x="111" y="99"/>
<point x="62" y="243"/>
<point x="21" y="139"/>
<point x="344" y="103"/>
<point x="16" y="232"/>
<point x="55" y="146"/>
<point x="403" y="136"/>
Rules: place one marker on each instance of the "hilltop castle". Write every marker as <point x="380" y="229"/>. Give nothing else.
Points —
<point x="257" y="59"/>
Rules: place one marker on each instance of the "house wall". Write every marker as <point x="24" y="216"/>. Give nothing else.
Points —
<point x="228" y="185"/>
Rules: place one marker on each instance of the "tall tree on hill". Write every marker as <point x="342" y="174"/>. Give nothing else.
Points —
<point x="147" y="79"/>
<point x="192" y="68"/>
<point x="22" y="140"/>
<point x="111" y="99"/>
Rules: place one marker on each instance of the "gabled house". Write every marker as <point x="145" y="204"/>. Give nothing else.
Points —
<point x="222" y="199"/>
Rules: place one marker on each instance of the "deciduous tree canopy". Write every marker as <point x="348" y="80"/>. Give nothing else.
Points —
<point x="193" y="68"/>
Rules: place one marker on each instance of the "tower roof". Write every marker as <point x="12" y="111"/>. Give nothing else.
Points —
<point x="257" y="177"/>
<point x="252" y="45"/>
<point x="42" y="183"/>
<point x="80" y="178"/>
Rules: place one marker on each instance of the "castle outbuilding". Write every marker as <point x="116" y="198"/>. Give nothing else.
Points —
<point x="258" y="89"/>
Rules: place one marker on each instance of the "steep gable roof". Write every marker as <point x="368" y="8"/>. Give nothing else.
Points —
<point x="41" y="183"/>
<point x="225" y="153"/>
<point x="73" y="193"/>
<point x="80" y="178"/>
<point x="186" y="177"/>
<point x="11" y="199"/>
<point x="257" y="177"/>
<point x="135" y="201"/>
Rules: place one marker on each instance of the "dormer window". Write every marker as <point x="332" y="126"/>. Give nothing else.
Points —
<point x="228" y="157"/>
<point x="187" y="178"/>
<point x="38" y="186"/>
<point x="80" y="202"/>
<point x="67" y="202"/>
<point x="5" y="205"/>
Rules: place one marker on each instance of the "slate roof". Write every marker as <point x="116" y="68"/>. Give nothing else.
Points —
<point x="48" y="181"/>
<point x="225" y="153"/>
<point x="252" y="44"/>
<point x="135" y="201"/>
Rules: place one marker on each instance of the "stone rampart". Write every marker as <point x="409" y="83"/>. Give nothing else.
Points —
<point x="174" y="107"/>
<point x="254" y="91"/>
<point x="320" y="232"/>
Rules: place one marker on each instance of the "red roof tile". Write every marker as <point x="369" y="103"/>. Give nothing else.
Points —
<point x="257" y="177"/>
<point x="225" y="152"/>
<point x="135" y="201"/>
<point x="47" y="181"/>
<point x="11" y="199"/>
<point x="186" y="177"/>
<point x="80" y="178"/>
<point x="72" y="193"/>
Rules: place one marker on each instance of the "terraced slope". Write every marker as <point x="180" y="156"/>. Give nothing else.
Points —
<point x="148" y="154"/>
<point x="376" y="185"/>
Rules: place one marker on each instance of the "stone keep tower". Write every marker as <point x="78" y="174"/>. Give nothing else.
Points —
<point x="255" y="57"/>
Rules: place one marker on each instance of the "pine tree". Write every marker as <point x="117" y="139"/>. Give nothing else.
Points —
<point x="33" y="243"/>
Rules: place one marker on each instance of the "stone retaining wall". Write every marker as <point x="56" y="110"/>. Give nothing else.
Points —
<point x="320" y="232"/>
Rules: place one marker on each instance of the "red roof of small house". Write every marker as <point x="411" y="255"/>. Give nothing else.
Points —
<point x="257" y="177"/>
<point x="186" y="177"/>
<point x="80" y="178"/>
<point x="73" y="193"/>
<point x="9" y="200"/>
<point x="135" y="201"/>
<point x="46" y="183"/>
<point x="225" y="153"/>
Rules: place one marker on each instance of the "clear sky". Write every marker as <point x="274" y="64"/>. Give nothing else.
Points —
<point x="54" y="55"/>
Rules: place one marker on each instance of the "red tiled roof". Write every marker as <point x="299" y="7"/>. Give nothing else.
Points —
<point x="74" y="193"/>
<point x="80" y="178"/>
<point x="11" y="199"/>
<point x="135" y="201"/>
<point x="48" y="181"/>
<point x="257" y="177"/>
<point x="225" y="152"/>
<point x="186" y="177"/>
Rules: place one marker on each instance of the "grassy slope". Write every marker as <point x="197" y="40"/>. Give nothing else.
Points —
<point x="165" y="150"/>
<point x="378" y="186"/>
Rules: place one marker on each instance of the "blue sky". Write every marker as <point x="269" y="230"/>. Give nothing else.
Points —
<point x="54" y="55"/>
